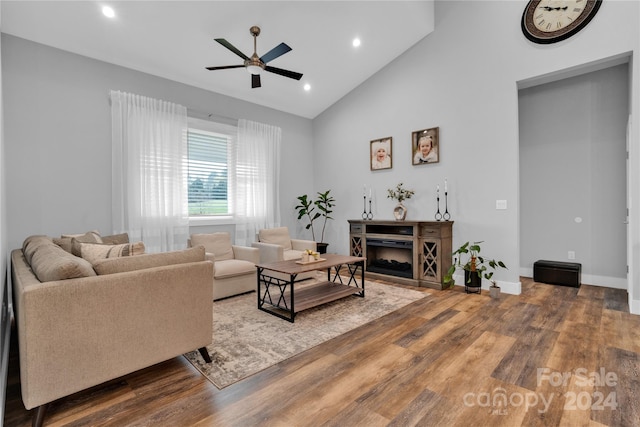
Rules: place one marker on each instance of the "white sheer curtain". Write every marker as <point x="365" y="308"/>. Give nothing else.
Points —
<point x="255" y="185"/>
<point x="149" y="189"/>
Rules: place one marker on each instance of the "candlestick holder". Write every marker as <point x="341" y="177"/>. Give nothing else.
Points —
<point x="370" y="215"/>
<point x="364" y="209"/>
<point x="446" y="216"/>
<point x="438" y="214"/>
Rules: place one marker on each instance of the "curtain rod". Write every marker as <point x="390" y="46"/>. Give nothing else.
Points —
<point x="199" y="114"/>
<point x="208" y="116"/>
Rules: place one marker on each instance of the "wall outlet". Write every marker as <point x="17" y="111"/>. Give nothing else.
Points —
<point x="571" y="255"/>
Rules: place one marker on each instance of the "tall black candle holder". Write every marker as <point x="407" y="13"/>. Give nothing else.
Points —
<point x="364" y="209"/>
<point x="446" y="216"/>
<point x="370" y="214"/>
<point x="438" y="214"/>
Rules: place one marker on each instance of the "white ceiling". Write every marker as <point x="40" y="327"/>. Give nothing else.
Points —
<point x="175" y="40"/>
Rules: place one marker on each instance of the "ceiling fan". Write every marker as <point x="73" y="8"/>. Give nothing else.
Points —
<point x="255" y="64"/>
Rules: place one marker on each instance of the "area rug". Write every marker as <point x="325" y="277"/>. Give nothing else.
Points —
<point x="247" y="340"/>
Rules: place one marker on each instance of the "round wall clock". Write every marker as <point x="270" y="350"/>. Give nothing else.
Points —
<point x="549" y="21"/>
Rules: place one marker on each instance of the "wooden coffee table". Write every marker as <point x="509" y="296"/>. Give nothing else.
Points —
<point x="285" y="298"/>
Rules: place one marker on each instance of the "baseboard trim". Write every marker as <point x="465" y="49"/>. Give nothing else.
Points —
<point x="513" y="288"/>
<point x="634" y="306"/>
<point x="590" y="279"/>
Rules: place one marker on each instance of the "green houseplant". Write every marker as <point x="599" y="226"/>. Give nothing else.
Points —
<point x="320" y="208"/>
<point x="476" y="267"/>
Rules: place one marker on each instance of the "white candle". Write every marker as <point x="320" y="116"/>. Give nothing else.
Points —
<point x="369" y="193"/>
<point x="438" y="189"/>
<point x="364" y="190"/>
<point x="445" y="185"/>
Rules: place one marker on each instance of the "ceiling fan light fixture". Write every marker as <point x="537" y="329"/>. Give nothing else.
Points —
<point x="254" y="69"/>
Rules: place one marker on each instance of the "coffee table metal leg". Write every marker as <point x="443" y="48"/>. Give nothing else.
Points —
<point x="353" y="269"/>
<point x="292" y="312"/>
<point x="265" y="297"/>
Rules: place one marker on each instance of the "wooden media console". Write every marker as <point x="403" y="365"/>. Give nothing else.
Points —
<point x="416" y="253"/>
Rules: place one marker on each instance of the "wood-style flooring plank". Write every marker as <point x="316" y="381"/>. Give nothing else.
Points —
<point x="450" y="359"/>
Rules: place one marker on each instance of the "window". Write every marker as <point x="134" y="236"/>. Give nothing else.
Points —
<point x="207" y="168"/>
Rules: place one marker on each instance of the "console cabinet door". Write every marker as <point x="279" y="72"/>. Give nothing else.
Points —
<point x="356" y="245"/>
<point x="356" y="239"/>
<point x="430" y="260"/>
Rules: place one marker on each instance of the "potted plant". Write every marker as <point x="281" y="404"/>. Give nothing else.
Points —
<point x="467" y="257"/>
<point x="399" y="194"/>
<point x="314" y="209"/>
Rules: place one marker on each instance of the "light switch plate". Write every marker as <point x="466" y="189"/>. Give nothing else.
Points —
<point x="501" y="204"/>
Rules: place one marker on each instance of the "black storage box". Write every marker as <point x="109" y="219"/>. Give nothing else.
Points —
<point x="558" y="273"/>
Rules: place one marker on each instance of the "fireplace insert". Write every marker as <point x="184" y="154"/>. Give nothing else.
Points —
<point x="390" y="256"/>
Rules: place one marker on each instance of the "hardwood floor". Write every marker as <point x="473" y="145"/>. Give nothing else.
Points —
<point x="451" y="359"/>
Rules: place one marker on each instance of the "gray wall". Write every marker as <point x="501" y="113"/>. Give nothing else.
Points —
<point x="58" y="137"/>
<point x="573" y="165"/>
<point x="464" y="78"/>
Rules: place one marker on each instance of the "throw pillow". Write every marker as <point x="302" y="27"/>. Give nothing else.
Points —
<point x="92" y="236"/>
<point x="51" y="262"/>
<point x="32" y="243"/>
<point x="65" y="241"/>
<point x="115" y="239"/>
<point x="94" y="252"/>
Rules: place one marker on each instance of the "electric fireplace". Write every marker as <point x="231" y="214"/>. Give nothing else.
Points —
<point x="416" y="253"/>
<point x="391" y="257"/>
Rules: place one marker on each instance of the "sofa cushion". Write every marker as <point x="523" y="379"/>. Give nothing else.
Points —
<point x="93" y="252"/>
<point x="51" y="262"/>
<point x="219" y="244"/>
<point x="140" y="262"/>
<point x="276" y="236"/>
<point x="233" y="267"/>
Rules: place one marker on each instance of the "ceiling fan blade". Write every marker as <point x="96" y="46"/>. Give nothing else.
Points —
<point x="224" y="67"/>
<point x="286" y="73"/>
<point x="232" y="48"/>
<point x="255" y="81"/>
<point x="277" y="51"/>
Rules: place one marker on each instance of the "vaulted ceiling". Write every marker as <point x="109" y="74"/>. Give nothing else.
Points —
<point x="175" y="40"/>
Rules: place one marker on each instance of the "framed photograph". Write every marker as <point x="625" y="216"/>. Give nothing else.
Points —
<point x="380" y="156"/>
<point x="425" y="146"/>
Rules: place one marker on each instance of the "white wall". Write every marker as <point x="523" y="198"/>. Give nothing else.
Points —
<point x="573" y="174"/>
<point x="463" y="78"/>
<point x="58" y="137"/>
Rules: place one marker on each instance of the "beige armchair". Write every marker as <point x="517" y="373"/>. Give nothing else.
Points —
<point x="234" y="267"/>
<point x="275" y="244"/>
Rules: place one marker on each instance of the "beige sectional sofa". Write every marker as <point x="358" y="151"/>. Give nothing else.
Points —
<point x="81" y="323"/>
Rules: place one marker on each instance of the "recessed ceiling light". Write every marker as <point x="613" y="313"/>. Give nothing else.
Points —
<point x="356" y="42"/>
<point x="307" y="87"/>
<point x="108" y="12"/>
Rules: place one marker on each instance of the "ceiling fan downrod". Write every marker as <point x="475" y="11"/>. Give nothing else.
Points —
<point x="254" y="61"/>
